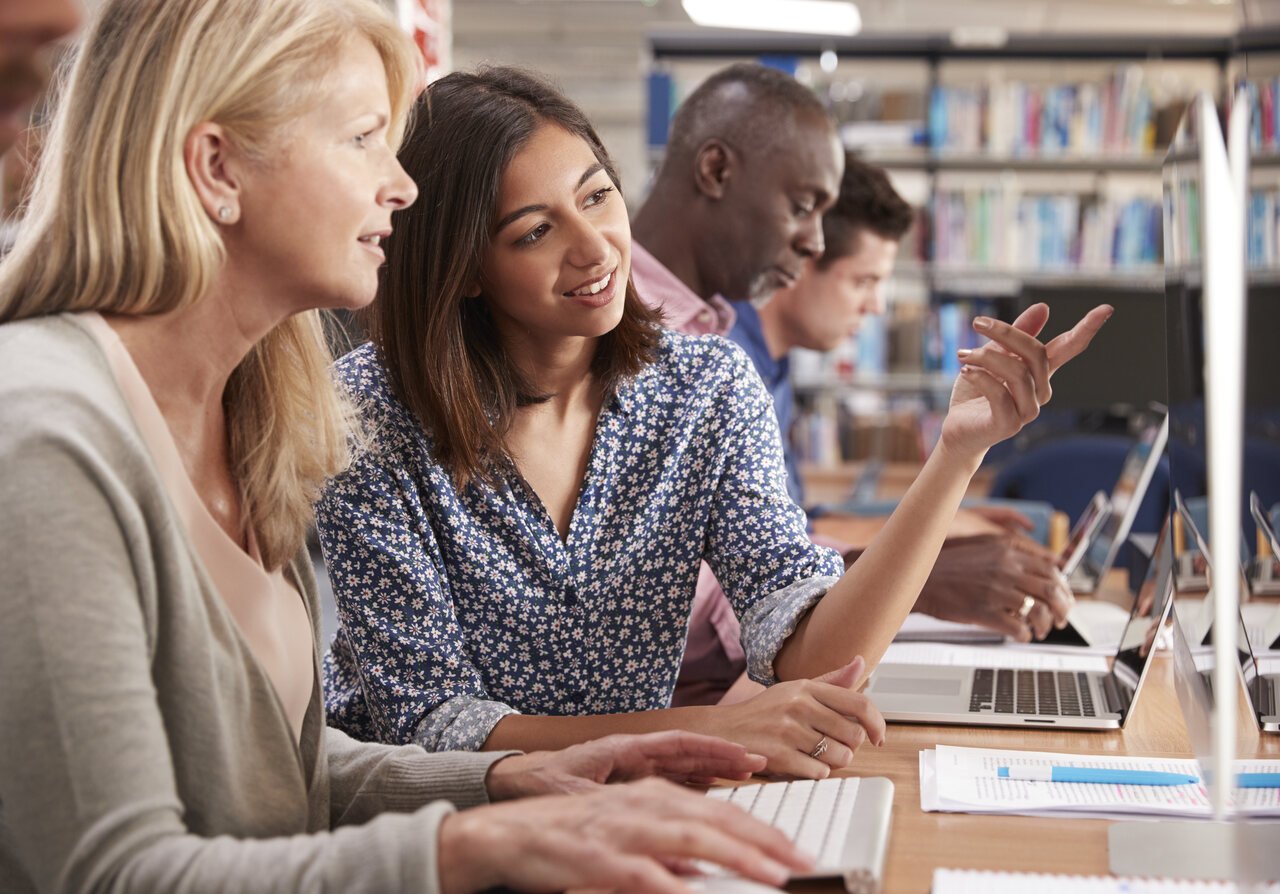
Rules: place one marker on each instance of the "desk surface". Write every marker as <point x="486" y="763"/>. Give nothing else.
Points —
<point x="921" y="842"/>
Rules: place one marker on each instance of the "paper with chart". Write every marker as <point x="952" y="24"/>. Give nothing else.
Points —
<point x="964" y="780"/>
<point x="969" y="881"/>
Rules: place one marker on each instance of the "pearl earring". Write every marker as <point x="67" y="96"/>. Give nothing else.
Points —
<point x="224" y="214"/>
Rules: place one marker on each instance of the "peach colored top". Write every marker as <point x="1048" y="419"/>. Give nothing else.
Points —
<point x="268" y="611"/>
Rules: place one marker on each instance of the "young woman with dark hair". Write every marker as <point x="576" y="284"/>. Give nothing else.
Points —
<point x="515" y="549"/>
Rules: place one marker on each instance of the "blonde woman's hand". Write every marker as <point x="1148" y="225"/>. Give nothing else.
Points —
<point x="675" y="754"/>
<point x="619" y="837"/>
<point x="806" y="728"/>
<point x="1003" y="384"/>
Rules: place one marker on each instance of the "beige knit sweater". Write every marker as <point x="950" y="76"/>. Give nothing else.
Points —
<point x="141" y="747"/>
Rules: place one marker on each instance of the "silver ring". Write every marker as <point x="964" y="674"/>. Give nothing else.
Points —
<point x="1028" y="603"/>
<point x="820" y="749"/>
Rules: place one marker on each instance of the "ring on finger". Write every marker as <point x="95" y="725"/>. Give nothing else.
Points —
<point x="820" y="749"/>
<point x="1028" y="603"/>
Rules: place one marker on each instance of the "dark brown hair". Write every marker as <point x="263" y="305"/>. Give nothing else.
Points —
<point x="867" y="201"/>
<point x="446" y="361"/>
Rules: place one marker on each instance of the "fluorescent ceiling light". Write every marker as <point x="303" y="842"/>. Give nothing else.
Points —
<point x="803" y="16"/>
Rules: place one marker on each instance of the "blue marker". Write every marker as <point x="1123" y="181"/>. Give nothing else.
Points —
<point x="1096" y="775"/>
<point x="1258" y="780"/>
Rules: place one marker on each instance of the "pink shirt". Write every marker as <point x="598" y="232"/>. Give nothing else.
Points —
<point x="266" y="609"/>
<point x="713" y="655"/>
<point x="683" y="310"/>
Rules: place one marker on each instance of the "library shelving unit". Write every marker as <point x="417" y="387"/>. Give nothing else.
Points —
<point x="1035" y="166"/>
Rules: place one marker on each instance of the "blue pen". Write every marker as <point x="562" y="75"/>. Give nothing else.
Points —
<point x="1096" y="775"/>
<point x="1258" y="780"/>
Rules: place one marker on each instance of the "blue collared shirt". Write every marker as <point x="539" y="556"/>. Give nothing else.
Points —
<point x="458" y="607"/>
<point x="776" y="374"/>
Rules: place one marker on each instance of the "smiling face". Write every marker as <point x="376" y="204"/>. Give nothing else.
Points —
<point x="312" y="215"/>
<point x="769" y="221"/>
<point x="829" y="302"/>
<point x="25" y="27"/>
<point x="558" y="262"/>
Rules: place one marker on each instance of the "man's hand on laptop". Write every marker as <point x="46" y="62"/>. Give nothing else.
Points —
<point x="985" y="580"/>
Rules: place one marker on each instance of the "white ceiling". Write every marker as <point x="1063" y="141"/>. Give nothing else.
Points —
<point x="473" y="18"/>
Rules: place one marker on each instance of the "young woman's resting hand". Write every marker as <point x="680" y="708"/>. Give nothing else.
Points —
<point x="806" y="728"/>
<point x="1003" y="384"/>
<point x="675" y="754"/>
<point x="626" y="837"/>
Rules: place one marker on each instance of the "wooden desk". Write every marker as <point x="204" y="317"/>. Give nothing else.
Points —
<point x="921" y="842"/>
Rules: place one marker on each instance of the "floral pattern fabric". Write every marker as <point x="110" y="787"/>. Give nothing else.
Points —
<point x="458" y="607"/>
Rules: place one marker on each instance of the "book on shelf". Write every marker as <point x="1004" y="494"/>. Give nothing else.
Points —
<point x="1262" y="227"/>
<point x="1264" y="124"/>
<point x="1118" y="116"/>
<point x="999" y="227"/>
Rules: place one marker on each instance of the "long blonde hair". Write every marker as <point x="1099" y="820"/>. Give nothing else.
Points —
<point x="115" y="225"/>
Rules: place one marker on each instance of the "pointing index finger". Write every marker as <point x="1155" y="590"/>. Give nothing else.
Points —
<point x="1073" y="342"/>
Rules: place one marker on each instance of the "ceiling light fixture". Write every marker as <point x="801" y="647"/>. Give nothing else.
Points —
<point x="801" y="16"/>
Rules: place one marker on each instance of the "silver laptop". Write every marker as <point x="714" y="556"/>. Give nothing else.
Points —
<point x="1084" y="533"/>
<point x="1196" y="626"/>
<point x="984" y="696"/>
<point x="1097" y="623"/>
<point x="1126" y="498"/>
<point x="1265" y="579"/>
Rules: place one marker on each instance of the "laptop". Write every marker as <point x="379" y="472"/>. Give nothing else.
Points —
<point x="1097" y="623"/>
<point x="1259" y="621"/>
<point x="1084" y="533"/>
<point x="985" y="696"/>
<point x="1265" y="580"/>
<point x="1193" y="671"/>
<point x="1126" y="498"/>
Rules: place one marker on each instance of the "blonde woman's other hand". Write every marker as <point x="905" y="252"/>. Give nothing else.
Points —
<point x="677" y="755"/>
<point x="619" y="837"/>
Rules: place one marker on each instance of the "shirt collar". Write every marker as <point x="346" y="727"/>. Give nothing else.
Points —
<point x="683" y="309"/>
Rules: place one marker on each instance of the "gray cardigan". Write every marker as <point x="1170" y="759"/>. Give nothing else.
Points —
<point x="141" y="747"/>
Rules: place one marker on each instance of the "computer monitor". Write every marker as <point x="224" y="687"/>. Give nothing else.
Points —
<point x="1204" y="268"/>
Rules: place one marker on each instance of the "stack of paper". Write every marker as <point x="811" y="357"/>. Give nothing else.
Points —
<point x="964" y="780"/>
<point x="957" y="881"/>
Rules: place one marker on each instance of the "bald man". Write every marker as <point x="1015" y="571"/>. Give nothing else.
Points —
<point x="736" y="209"/>
<point x="735" y="214"/>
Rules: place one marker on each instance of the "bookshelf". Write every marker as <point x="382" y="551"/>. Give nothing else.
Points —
<point x="1031" y="181"/>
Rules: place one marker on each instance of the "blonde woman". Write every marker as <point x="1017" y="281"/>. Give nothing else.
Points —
<point x="219" y="169"/>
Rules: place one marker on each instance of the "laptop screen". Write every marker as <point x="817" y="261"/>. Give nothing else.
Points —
<point x="1150" y="610"/>
<point x="1135" y="475"/>
<point x="1082" y="534"/>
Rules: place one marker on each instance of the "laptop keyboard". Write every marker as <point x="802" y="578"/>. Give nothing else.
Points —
<point x="1056" y="693"/>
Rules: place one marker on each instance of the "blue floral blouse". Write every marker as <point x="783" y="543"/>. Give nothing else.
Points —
<point x="458" y="607"/>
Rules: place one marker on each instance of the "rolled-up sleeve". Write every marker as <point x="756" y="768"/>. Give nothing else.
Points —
<point x="757" y="543"/>
<point x="399" y="671"/>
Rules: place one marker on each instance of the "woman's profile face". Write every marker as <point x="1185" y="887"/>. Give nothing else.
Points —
<point x="313" y="215"/>
<point x="561" y="252"/>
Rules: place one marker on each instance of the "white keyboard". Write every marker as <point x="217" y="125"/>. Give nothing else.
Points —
<point x="842" y="823"/>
